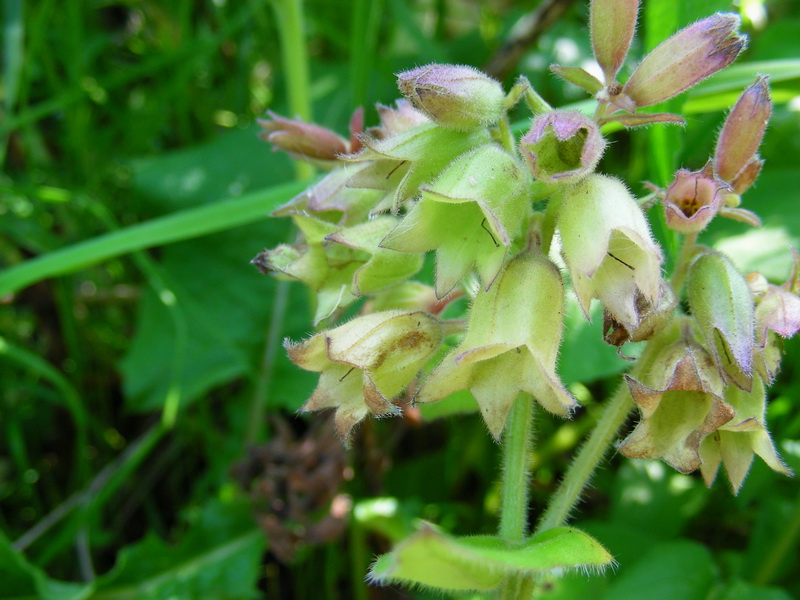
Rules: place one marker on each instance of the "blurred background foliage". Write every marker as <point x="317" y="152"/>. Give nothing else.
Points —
<point x="149" y="446"/>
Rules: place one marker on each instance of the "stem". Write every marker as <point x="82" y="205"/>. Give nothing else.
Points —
<point x="516" y="450"/>
<point x="684" y="260"/>
<point x="294" y="56"/>
<point x="582" y="468"/>
<point x="589" y="456"/>
<point x="517" y="444"/>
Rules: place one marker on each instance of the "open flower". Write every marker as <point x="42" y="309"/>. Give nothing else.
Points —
<point x="608" y="248"/>
<point x="736" y="442"/>
<point x="680" y="407"/>
<point x="511" y="345"/>
<point x="366" y="362"/>
<point x="693" y="199"/>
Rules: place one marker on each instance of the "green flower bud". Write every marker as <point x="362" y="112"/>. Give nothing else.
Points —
<point x="454" y="96"/>
<point x="608" y="248"/>
<point x="365" y="363"/>
<point x="722" y="306"/>
<point x="735" y="443"/>
<point x="511" y="345"/>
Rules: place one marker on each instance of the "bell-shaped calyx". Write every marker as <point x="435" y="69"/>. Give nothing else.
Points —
<point x="469" y="216"/>
<point x="339" y="264"/>
<point x="722" y="306"/>
<point x="366" y="362"/>
<point x="680" y="406"/>
<point x="562" y="146"/>
<point x="608" y="248"/>
<point x="410" y="158"/>
<point x="736" y="442"/>
<point x="454" y="96"/>
<point x="511" y="345"/>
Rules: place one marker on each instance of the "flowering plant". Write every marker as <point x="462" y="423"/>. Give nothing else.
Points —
<point x="513" y="224"/>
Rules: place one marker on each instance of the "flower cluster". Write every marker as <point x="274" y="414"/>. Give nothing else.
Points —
<point x="442" y="173"/>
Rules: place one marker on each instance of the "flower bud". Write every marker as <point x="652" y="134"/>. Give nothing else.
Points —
<point x="455" y="96"/>
<point x="685" y="59"/>
<point x="511" y="345"/>
<point x="680" y="405"/>
<point x="562" y="146"/>
<point x="366" y="362"/>
<point x="722" y="306"/>
<point x="735" y="443"/>
<point x="742" y="134"/>
<point x="608" y="248"/>
<point x="692" y="200"/>
<point x="612" y="23"/>
<point x="302" y="140"/>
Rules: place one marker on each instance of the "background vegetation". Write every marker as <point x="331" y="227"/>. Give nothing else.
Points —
<point x="148" y="442"/>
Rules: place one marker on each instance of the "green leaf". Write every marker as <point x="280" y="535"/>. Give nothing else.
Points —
<point x="23" y="581"/>
<point x="219" y="557"/>
<point x="432" y="558"/>
<point x="741" y="590"/>
<point x="681" y="569"/>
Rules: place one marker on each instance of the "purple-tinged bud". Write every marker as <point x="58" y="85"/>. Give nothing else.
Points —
<point x="692" y="200"/>
<point x="778" y="311"/>
<point x="742" y="134"/>
<point x="562" y="146"/>
<point x="747" y="176"/>
<point x="685" y="59"/>
<point x="302" y="140"/>
<point x="455" y="96"/>
<point x="722" y="305"/>
<point x="612" y="23"/>
<point x="402" y="117"/>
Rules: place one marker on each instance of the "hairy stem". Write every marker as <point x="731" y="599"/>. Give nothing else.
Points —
<point x="682" y="265"/>
<point x="517" y="443"/>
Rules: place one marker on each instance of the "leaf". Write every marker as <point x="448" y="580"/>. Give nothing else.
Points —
<point x="219" y="557"/>
<point x="24" y="581"/>
<point x="432" y="558"/>
<point x="741" y="590"/>
<point x="681" y="569"/>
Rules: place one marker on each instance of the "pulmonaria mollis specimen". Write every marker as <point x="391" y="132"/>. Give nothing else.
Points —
<point x="498" y="212"/>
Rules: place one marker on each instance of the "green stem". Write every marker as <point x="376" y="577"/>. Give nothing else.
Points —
<point x="517" y="443"/>
<point x="294" y="56"/>
<point x="588" y="458"/>
<point x="591" y="454"/>
<point x="684" y="260"/>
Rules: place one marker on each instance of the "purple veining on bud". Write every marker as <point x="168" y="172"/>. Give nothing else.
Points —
<point x="455" y="96"/>
<point x="692" y="200"/>
<point x="685" y="59"/>
<point x="303" y="140"/>
<point x="562" y="146"/>
<point x="612" y="23"/>
<point x="742" y="134"/>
